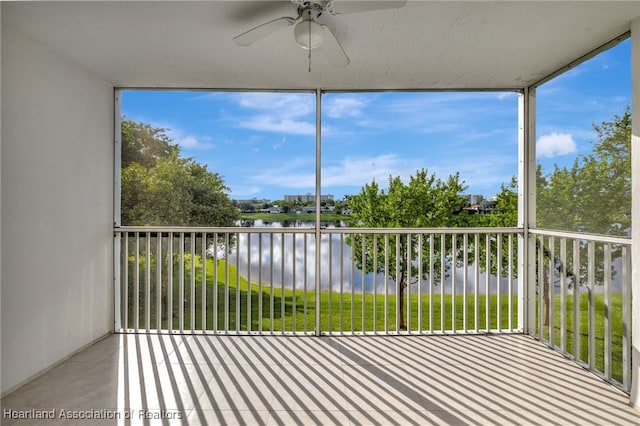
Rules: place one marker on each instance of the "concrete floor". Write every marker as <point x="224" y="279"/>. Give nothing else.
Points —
<point x="452" y="380"/>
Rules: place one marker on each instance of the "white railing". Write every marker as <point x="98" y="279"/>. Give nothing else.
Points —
<point x="452" y="280"/>
<point x="264" y="281"/>
<point x="583" y="300"/>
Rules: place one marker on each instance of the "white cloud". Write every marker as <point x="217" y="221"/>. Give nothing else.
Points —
<point x="185" y="140"/>
<point x="190" y="142"/>
<point x="273" y="123"/>
<point x="285" y="113"/>
<point x="300" y="173"/>
<point x="505" y="95"/>
<point x="285" y="104"/>
<point x="280" y="144"/>
<point x="293" y="173"/>
<point x="344" y="106"/>
<point x="361" y="170"/>
<point x="555" y="144"/>
<point x="241" y="191"/>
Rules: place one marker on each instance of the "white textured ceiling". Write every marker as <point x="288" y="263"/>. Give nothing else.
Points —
<point x="424" y="45"/>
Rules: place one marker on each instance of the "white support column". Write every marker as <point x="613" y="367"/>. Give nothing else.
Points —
<point x="526" y="207"/>
<point x="318" y="269"/>
<point x="635" y="213"/>
<point x="117" y="165"/>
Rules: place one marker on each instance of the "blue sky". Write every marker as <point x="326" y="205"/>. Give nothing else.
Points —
<point x="263" y="144"/>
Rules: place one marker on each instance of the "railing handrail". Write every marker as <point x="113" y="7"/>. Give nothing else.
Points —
<point x="349" y="230"/>
<point x="448" y="231"/>
<point x="211" y="229"/>
<point x="599" y="238"/>
<point x="340" y="230"/>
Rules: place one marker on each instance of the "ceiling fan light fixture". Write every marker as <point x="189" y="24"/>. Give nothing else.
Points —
<point x="308" y="34"/>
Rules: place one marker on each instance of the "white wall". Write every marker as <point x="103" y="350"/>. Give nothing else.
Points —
<point x="57" y="174"/>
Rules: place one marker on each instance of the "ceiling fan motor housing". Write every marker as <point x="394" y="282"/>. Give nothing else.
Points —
<point x="308" y="33"/>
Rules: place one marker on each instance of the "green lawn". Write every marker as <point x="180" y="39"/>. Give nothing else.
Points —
<point x="615" y="309"/>
<point x="240" y="306"/>
<point x="237" y="306"/>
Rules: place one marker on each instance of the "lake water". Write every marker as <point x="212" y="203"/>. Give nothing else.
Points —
<point x="289" y="258"/>
<point x="263" y="223"/>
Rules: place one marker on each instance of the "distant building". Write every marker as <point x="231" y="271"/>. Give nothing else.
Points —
<point x="312" y="209"/>
<point x="254" y="201"/>
<point x="474" y="199"/>
<point x="271" y="210"/>
<point x="307" y="198"/>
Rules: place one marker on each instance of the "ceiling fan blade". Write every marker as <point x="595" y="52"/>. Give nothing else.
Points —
<point x="261" y="31"/>
<point x="332" y="50"/>
<point x="343" y="7"/>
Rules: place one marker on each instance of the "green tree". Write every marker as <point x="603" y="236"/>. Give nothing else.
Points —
<point x="144" y="144"/>
<point x="422" y="202"/>
<point x="161" y="188"/>
<point x="594" y="195"/>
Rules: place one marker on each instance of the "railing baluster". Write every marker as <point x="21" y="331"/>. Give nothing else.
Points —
<point x="443" y="244"/>
<point x="375" y="284"/>
<point x="353" y="280"/>
<point x="158" y="281"/>
<point x="136" y="285"/>
<point x="576" y="299"/>
<point x="181" y="283"/>
<point x="170" y="282"/>
<point x="204" y="281"/>
<point x="192" y="292"/>
<point x="465" y="281"/>
<point x="125" y="280"/>
<point x="398" y="284"/>
<point x="283" y="305"/>
<point x="487" y="283"/>
<point x="419" y="281"/>
<point x="249" y="286"/>
<point x="330" y="299"/>
<point x="499" y="282"/>
<point x="591" y="290"/>
<point x="363" y="282"/>
<point x="271" y="314"/>
<point x="476" y="287"/>
<point x="510" y="281"/>
<point x="260" y="285"/>
<point x="607" y="310"/>
<point x="305" y="284"/>
<point x="386" y="283"/>
<point x="238" y="289"/>
<point x="563" y="294"/>
<point x="294" y="310"/>
<point x="409" y="279"/>
<point x="431" y="276"/>
<point x="341" y="283"/>
<point x="550" y="294"/>
<point x="454" y="259"/>
<point x="147" y="282"/>
<point x="216" y="308"/>
<point x="541" y="286"/>
<point x="227" y="312"/>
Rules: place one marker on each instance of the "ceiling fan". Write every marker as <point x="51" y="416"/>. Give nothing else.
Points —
<point x="312" y="35"/>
